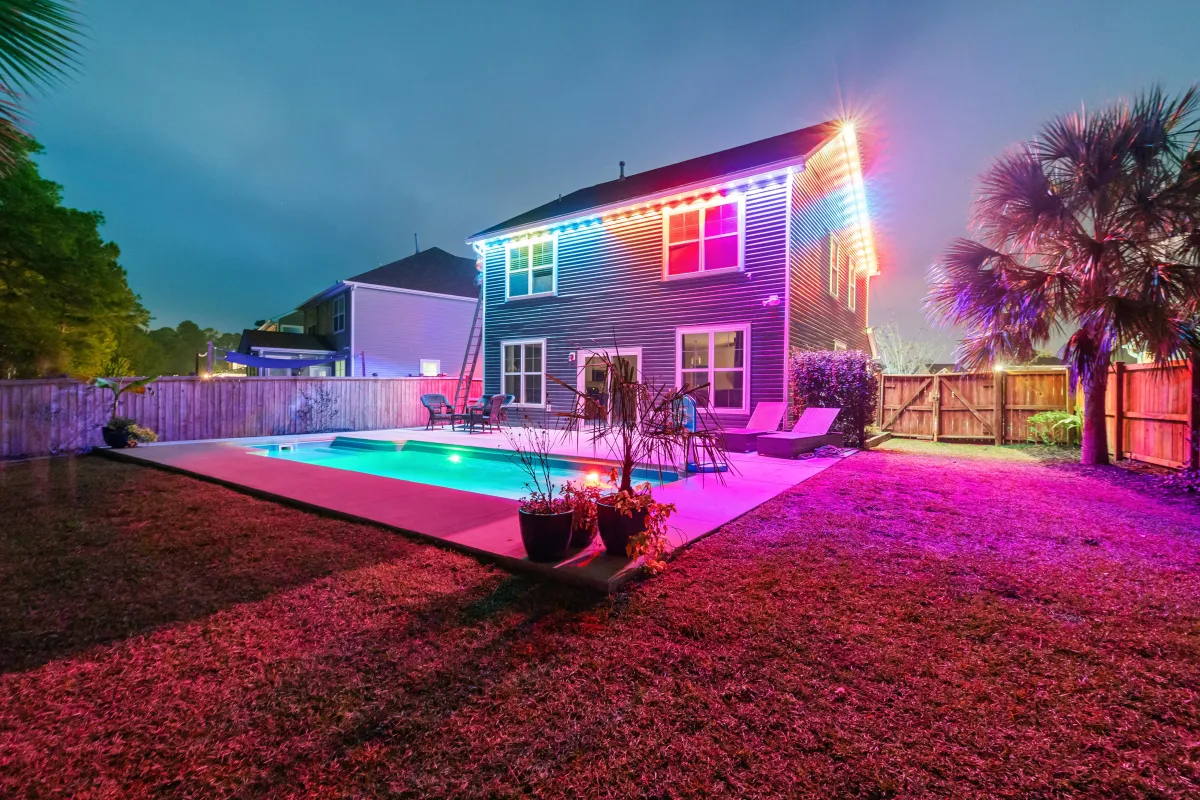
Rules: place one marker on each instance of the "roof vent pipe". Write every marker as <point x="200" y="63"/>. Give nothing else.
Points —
<point x="622" y="172"/>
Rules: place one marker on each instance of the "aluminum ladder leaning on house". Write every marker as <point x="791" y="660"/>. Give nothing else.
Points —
<point x="474" y="342"/>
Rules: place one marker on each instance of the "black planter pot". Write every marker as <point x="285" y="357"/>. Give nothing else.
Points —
<point x="582" y="536"/>
<point x="616" y="529"/>
<point x="545" y="536"/>
<point x="115" y="438"/>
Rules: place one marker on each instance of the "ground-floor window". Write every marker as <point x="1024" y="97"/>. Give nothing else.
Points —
<point x="525" y="371"/>
<point x="715" y="358"/>
<point x="431" y="367"/>
<point x="339" y="368"/>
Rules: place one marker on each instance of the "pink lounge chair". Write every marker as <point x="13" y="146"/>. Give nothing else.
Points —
<point x="765" y="419"/>
<point x="811" y="431"/>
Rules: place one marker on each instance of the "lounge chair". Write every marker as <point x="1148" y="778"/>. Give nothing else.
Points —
<point x="811" y="431"/>
<point x="765" y="419"/>
<point x="439" y="408"/>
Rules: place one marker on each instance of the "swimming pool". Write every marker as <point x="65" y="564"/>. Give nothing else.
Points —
<point x="469" y="469"/>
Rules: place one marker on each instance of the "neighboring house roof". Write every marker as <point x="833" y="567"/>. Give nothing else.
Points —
<point x="283" y="341"/>
<point x="784" y="147"/>
<point x="433" y="270"/>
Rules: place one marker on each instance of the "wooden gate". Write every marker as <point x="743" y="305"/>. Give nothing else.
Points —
<point x="970" y="406"/>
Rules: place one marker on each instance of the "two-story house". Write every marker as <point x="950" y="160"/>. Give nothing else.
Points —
<point x="707" y="271"/>
<point x="409" y="317"/>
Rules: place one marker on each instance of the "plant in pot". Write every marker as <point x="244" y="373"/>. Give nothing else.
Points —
<point x="545" y="518"/>
<point x="121" y="431"/>
<point x="582" y="496"/>
<point x="646" y="425"/>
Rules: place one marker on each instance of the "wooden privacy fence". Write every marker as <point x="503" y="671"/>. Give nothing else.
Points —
<point x="45" y="417"/>
<point x="1153" y="413"/>
<point x="972" y="406"/>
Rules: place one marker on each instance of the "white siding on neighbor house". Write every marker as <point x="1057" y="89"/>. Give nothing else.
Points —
<point x="395" y="330"/>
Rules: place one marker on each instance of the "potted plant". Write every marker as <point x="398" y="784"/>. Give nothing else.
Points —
<point x="123" y="432"/>
<point x="120" y="431"/>
<point x="648" y="427"/>
<point x="582" y="496"/>
<point x="545" y="518"/>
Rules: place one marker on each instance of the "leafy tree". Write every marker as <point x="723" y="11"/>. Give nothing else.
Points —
<point x="172" y="351"/>
<point x="37" y="45"/>
<point x="64" y="298"/>
<point x="1090" y="229"/>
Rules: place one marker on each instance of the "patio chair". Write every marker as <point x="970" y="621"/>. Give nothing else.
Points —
<point x="439" y="408"/>
<point x="811" y="431"/>
<point x="765" y="419"/>
<point x="470" y="412"/>
<point x="494" y="414"/>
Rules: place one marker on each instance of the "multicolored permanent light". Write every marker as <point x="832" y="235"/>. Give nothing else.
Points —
<point x="858" y="199"/>
<point x="850" y="183"/>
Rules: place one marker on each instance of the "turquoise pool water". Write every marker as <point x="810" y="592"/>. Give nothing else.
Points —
<point x="491" y="472"/>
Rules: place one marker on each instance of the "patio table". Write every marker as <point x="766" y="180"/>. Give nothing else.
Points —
<point x="470" y="417"/>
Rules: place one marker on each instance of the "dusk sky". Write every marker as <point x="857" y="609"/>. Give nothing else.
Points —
<point x="247" y="155"/>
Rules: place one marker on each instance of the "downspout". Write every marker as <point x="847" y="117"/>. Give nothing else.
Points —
<point x="353" y="322"/>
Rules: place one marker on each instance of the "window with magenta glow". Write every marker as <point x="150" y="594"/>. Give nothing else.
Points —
<point x="703" y="239"/>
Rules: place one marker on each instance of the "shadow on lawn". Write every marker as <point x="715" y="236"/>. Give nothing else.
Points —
<point x="93" y="551"/>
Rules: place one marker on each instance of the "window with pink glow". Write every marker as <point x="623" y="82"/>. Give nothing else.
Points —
<point x="704" y="239"/>
<point x="713" y="360"/>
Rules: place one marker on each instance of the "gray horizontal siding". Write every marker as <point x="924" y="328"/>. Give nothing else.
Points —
<point x="393" y="331"/>
<point x="610" y="286"/>
<point x="820" y="199"/>
<point x="319" y="318"/>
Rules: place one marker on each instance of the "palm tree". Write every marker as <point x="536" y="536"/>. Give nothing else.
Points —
<point x="37" y="45"/>
<point x="1088" y="230"/>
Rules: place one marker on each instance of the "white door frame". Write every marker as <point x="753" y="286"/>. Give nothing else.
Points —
<point x="581" y="357"/>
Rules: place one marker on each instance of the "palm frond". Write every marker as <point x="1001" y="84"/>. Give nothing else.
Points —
<point x="37" y="43"/>
<point x="37" y="47"/>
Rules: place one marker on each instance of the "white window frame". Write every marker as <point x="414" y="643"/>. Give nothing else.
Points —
<point x="339" y="310"/>
<point x="437" y="367"/>
<point x="835" y="265"/>
<point x="851" y="285"/>
<point x="666" y="233"/>
<point x="712" y="369"/>
<point x="519" y="400"/>
<point x="839" y="345"/>
<point x="510" y="246"/>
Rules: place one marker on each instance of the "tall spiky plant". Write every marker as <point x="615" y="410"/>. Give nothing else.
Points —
<point x="1089" y="230"/>
<point x="37" y="47"/>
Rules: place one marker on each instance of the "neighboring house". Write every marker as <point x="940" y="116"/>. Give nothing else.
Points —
<point x="706" y="272"/>
<point x="410" y="317"/>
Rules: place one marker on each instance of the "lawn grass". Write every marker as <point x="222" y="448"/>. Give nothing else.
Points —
<point x="917" y="621"/>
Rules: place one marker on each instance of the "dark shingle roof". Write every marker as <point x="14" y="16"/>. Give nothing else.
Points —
<point x="432" y="270"/>
<point x="282" y="339"/>
<point x="783" y="147"/>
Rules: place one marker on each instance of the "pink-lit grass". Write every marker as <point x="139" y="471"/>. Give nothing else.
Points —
<point x="912" y="622"/>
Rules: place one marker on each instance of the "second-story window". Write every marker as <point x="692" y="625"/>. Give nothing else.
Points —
<point x="703" y="239"/>
<point x="339" y="313"/>
<point x="531" y="268"/>
<point x="835" y="265"/>
<point x="851" y="285"/>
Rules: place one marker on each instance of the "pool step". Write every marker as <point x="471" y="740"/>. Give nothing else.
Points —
<point x="374" y="445"/>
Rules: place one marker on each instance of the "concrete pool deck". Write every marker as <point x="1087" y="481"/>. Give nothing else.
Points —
<point x="481" y="525"/>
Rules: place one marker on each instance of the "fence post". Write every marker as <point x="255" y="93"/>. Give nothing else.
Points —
<point x="1118" y="371"/>
<point x="999" y="387"/>
<point x="1193" y="423"/>
<point x="878" y="404"/>
<point x="936" y="397"/>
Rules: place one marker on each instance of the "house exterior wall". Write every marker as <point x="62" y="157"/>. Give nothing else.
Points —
<point x="821" y="198"/>
<point x="318" y="319"/>
<point x="394" y="330"/>
<point x="610" y="284"/>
